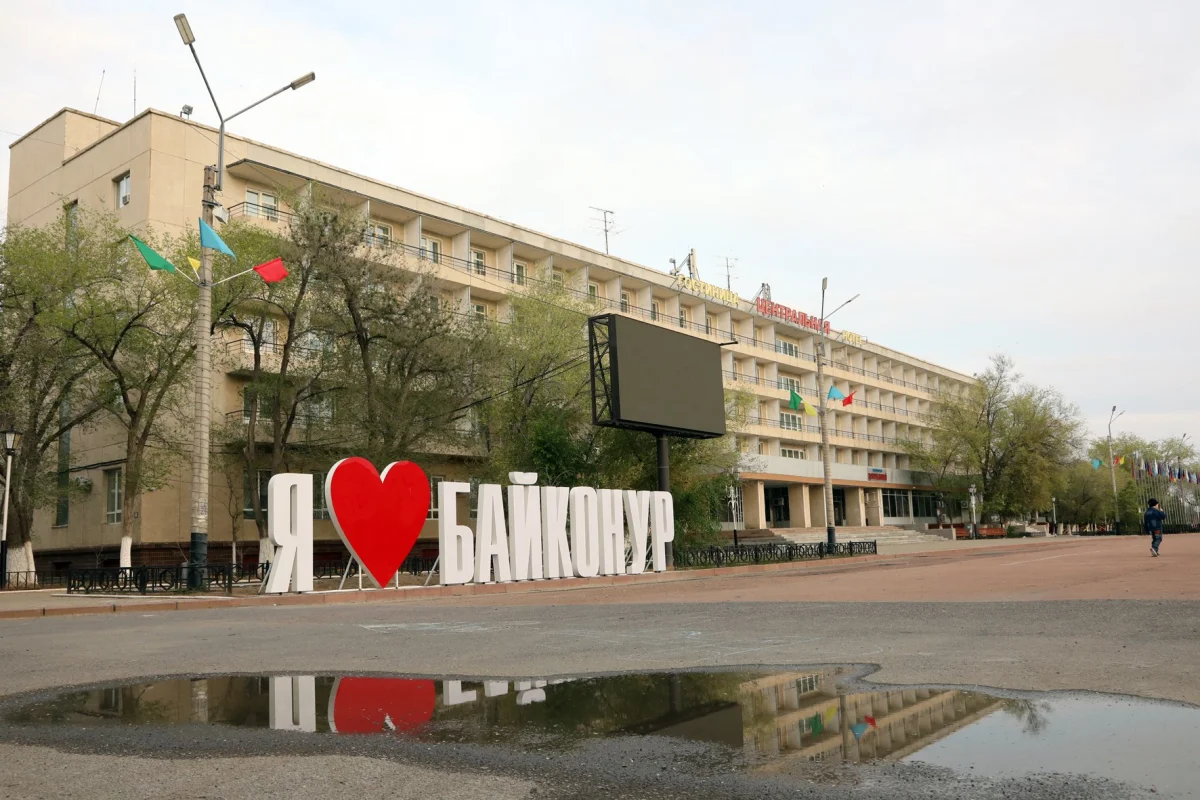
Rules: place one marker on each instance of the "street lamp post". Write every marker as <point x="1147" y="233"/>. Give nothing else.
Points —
<point x="1054" y="512"/>
<point x="1112" y="469"/>
<point x="11" y="441"/>
<point x="830" y="532"/>
<point x="974" y="525"/>
<point x="202" y="421"/>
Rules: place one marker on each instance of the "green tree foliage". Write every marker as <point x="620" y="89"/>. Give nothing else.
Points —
<point x="1009" y="437"/>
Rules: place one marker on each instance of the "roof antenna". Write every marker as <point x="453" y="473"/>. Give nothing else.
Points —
<point x="135" y="91"/>
<point x="97" y="106"/>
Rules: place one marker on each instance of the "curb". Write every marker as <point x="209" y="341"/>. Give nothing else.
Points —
<point x="411" y="593"/>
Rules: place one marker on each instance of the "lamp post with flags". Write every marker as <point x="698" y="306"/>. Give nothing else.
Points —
<point x="830" y="532"/>
<point x="202" y="421"/>
<point x="1112" y="468"/>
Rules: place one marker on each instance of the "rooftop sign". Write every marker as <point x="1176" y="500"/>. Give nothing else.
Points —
<point x="703" y="289"/>
<point x="789" y="315"/>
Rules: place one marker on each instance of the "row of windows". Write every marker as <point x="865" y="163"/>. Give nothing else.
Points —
<point x="896" y="503"/>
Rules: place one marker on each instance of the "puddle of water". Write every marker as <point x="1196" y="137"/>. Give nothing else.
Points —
<point x="770" y="723"/>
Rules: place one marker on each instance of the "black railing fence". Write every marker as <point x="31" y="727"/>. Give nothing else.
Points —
<point x="767" y="553"/>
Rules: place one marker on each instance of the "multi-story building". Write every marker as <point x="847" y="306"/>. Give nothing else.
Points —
<point x="149" y="172"/>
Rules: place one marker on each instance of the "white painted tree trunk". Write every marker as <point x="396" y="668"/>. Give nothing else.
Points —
<point x="20" y="559"/>
<point x="266" y="550"/>
<point x="126" y="552"/>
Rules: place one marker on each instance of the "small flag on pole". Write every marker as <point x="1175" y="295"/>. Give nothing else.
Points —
<point x="796" y="402"/>
<point x="274" y="271"/>
<point x="1096" y="463"/>
<point x="810" y="409"/>
<point x="848" y="400"/>
<point x="830" y="715"/>
<point x="858" y="729"/>
<point x="209" y="239"/>
<point x="195" y="262"/>
<point x="834" y="393"/>
<point x="871" y="721"/>
<point x="153" y="259"/>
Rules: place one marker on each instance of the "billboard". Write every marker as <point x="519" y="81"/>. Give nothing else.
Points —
<point x="651" y="378"/>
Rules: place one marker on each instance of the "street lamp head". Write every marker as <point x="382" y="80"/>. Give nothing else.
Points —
<point x="185" y="30"/>
<point x="1114" y="409"/>
<point x="824" y="284"/>
<point x="303" y="79"/>
<point x="971" y="489"/>
<point x="12" y="440"/>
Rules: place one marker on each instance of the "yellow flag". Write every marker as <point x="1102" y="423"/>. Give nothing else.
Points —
<point x="195" y="264"/>
<point x="830" y="713"/>
<point x="810" y="409"/>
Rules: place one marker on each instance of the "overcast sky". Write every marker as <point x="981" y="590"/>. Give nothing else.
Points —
<point x="1019" y="178"/>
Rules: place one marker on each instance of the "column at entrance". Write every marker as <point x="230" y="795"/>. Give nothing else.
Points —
<point x="798" y="505"/>
<point x="754" y="506"/>
<point x="856" y="512"/>
<point x="816" y="506"/>
<point x="874" y="506"/>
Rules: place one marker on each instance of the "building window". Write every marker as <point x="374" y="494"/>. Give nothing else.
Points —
<point x="431" y="249"/>
<point x="378" y="234"/>
<point x="895" y="503"/>
<point x="790" y="422"/>
<point x="764" y="448"/>
<point x="519" y="271"/>
<point x="625" y="302"/>
<point x="434" y="482"/>
<point x="480" y="310"/>
<point x="320" y="510"/>
<point x="113" y="498"/>
<point x="593" y="291"/>
<point x="710" y="323"/>
<point x="556" y="276"/>
<point x="262" y="204"/>
<point x="478" y="262"/>
<point x="266" y="339"/>
<point x="320" y="409"/>
<point x="262" y="478"/>
<point x="654" y="310"/>
<point x="121" y="190"/>
<point x="684" y="317"/>
<point x="924" y="505"/>
<point x="791" y="452"/>
<point x="789" y="384"/>
<point x="787" y="348"/>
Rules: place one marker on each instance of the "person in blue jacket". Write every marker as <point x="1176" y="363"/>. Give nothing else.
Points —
<point x="1153" y="521"/>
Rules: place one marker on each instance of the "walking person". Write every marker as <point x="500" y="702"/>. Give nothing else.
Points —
<point x="1153" y="522"/>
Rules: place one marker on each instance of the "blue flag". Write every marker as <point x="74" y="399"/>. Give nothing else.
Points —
<point x="209" y="239"/>
<point x="834" y="394"/>
<point x="858" y="729"/>
<point x="1096" y="463"/>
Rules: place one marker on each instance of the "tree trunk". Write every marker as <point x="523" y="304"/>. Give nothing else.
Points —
<point x="20" y="559"/>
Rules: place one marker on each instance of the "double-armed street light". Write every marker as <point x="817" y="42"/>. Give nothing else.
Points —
<point x="202" y="421"/>
<point x="830" y="532"/>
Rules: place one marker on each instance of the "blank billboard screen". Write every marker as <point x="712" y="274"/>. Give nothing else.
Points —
<point x="665" y="380"/>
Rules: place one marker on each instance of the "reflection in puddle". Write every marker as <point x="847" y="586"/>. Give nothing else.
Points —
<point x="772" y="723"/>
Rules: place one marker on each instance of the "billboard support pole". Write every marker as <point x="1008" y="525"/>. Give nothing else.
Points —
<point x="664" y="482"/>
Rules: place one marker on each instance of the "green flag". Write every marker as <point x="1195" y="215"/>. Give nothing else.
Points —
<point x="796" y="403"/>
<point x="153" y="259"/>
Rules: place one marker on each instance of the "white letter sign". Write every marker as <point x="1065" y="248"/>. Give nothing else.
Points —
<point x="289" y="525"/>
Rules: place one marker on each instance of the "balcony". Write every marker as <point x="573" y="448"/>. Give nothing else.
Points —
<point x="802" y="468"/>
<point x="783" y="426"/>
<point x="310" y="429"/>
<point x="238" y="357"/>
<point x="811" y="396"/>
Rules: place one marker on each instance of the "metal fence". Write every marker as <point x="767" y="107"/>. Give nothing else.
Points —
<point x="210" y="578"/>
<point x="767" y="553"/>
<point x="55" y="579"/>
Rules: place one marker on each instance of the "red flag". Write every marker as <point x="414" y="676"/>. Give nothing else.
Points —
<point x="848" y="399"/>
<point x="272" y="271"/>
<point x="871" y="721"/>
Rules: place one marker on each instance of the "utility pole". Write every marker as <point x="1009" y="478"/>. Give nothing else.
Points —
<point x="830" y="533"/>
<point x="1112" y="468"/>
<point x="607" y="223"/>
<point x="202" y="421"/>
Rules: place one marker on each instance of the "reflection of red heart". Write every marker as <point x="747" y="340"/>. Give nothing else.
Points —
<point x="379" y="705"/>
<point x="378" y="518"/>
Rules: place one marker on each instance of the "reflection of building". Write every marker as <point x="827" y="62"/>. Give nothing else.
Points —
<point x="800" y="716"/>
<point x="148" y="171"/>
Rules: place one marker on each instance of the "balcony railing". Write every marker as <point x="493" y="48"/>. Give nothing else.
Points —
<point x="517" y="279"/>
<point x="779" y="383"/>
<point x="783" y="424"/>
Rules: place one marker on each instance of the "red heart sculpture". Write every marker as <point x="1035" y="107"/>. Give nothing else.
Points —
<point x="378" y="705"/>
<point x="378" y="517"/>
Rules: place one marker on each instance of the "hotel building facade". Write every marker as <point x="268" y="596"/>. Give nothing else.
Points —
<point x="149" y="172"/>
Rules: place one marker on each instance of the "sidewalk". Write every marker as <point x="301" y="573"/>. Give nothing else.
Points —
<point x="23" y="604"/>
